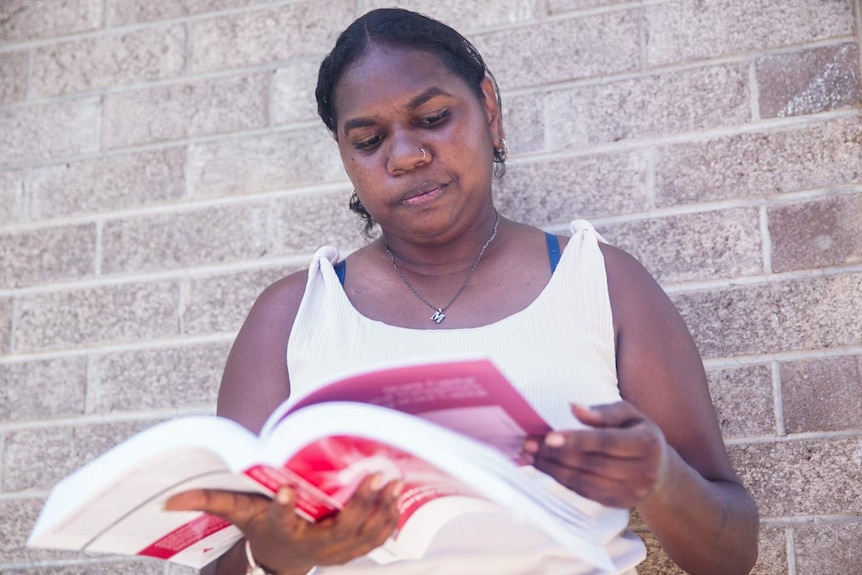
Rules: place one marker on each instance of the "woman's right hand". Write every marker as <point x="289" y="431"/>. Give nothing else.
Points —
<point x="285" y="543"/>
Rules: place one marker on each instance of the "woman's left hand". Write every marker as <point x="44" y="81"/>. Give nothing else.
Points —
<point x="619" y="460"/>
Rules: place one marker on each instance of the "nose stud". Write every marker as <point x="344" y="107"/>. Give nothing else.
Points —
<point x="424" y="153"/>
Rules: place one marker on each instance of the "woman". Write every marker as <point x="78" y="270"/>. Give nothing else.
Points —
<point x="417" y="119"/>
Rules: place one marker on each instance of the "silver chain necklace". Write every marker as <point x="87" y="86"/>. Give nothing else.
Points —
<point x="439" y="312"/>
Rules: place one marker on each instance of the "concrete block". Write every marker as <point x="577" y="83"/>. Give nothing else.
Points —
<point x="760" y="164"/>
<point x="558" y="191"/>
<point x="568" y="49"/>
<point x="822" y="394"/>
<point x="164" y="378"/>
<point x="662" y="104"/>
<point x="801" y="314"/>
<point x="673" y="248"/>
<point x="561" y="6"/>
<point x="17" y="517"/>
<point x="293" y="92"/>
<point x="524" y="122"/>
<point x="467" y="16"/>
<point x="809" y="81"/>
<point x="98" y="567"/>
<point x="182" y="111"/>
<point x="219" y="304"/>
<point x="251" y="38"/>
<point x="175" y="569"/>
<point x="685" y="30"/>
<point x="308" y="221"/>
<point x="266" y="162"/>
<point x="185" y="239"/>
<point x="797" y="478"/>
<point x="108" y="61"/>
<point x="106" y="184"/>
<point x="42" y="389"/>
<point x="83" y="318"/>
<point x="816" y="234"/>
<point x="47" y="131"/>
<point x="47" y="254"/>
<point x="744" y="401"/>
<point x="27" y="452"/>
<point x="772" y="555"/>
<point x="23" y="20"/>
<point x="13" y="76"/>
<point x="11" y="195"/>
<point x="125" y="12"/>
<point x="828" y="549"/>
<point x="7" y="308"/>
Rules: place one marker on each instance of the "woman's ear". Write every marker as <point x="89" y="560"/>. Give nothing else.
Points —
<point x="493" y="112"/>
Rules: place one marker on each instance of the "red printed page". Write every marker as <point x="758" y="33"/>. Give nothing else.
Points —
<point x="470" y="397"/>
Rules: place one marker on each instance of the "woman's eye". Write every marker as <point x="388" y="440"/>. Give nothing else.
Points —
<point x="435" y="119"/>
<point x="368" y="143"/>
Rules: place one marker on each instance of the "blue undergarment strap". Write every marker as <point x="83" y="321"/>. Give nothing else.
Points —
<point x="553" y="250"/>
<point x="339" y="271"/>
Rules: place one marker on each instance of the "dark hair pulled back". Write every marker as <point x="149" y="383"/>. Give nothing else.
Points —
<point x="396" y="27"/>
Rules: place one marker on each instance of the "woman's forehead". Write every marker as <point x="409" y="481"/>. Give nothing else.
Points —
<point x="389" y="75"/>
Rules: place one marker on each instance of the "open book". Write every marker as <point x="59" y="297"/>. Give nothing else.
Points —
<point x="450" y="431"/>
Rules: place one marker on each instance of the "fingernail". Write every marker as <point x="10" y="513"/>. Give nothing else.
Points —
<point x="376" y="482"/>
<point x="282" y="496"/>
<point x="530" y="446"/>
<point x="398" y="489"/>
<point x="554" y="440"/>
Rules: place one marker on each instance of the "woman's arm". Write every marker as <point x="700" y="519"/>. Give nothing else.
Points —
<point x="659" y="450"/>
<point x="254" y="383"/>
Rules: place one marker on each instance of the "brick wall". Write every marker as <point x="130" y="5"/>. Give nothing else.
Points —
<point x="161" y="162"/>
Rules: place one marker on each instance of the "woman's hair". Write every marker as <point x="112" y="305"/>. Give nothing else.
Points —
<point x="398" y="28"/>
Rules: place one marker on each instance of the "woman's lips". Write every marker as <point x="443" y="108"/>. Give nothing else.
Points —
<point x="423" y="195"/>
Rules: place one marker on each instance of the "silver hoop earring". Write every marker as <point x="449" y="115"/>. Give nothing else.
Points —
<point x="501" y="154"/>
<point x="424" y="153"/>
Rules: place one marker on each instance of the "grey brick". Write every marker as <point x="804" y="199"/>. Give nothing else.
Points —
<point x="792" y="478"/>
<point x="184" y="239"/>
<point x="87" y="317"/>
<point x="524" y="122"/>
<point x="744" y="401"/>
<point x="17" y="517"/>
<point x="684" y="30"/>
<point x="828" y="549"/>
<point x="219" y="304"/>
<point x="250" y="38"/>
<point x="106" y="184"/>
<point x="292" y="158"/>
<point x="822" y="394"/>
<point x="293" y="92"/>
<point x="67" y="448"/>
<point x="466" y="16"/>
<point x="810" y="81"/>
<point x="655" y="105"/>
<point x="49" y="130"/>
<point x="761" y="164"/>
<point x="308" y="221"/>
<point x="13" y="76"/>
<point x="125" y="12"/>
<point x="22" y="20"/>
<point x="108" y="61"/>
<point x="816" y="234"/>
<point x="673" y="248"/>
<point x="801" y="314"/>
<point x="185" y="110"/>
<point x="97" y="567"/>
<point x="558" y="191"/>
<point x="561" y="6"/>
<point x="567" y="49"/>
<point x="6" y="312"/>
<point x="168" y="378"/>
<point x="41" y="389"/>
<point x="11" y="194"/>
<point x="47" y="254"/>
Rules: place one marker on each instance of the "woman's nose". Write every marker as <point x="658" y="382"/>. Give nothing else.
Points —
<point x="406" y="154"/>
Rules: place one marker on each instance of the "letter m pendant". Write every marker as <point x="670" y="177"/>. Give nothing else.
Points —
<point x="438" y="316"/>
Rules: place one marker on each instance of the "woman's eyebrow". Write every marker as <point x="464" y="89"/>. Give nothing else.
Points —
<point x="415" y="102"/>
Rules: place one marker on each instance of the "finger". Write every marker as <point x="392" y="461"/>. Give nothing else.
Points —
<point x="601" y="489"/>
<point x="233" y="506"/>
<point x="618" y="414"/>
<point x="641" y="469"/>
<point x="353" y="514"/>
<point x="566" y="446"/>
<point x="382" y="520"/>
<point x="281" y="512"/>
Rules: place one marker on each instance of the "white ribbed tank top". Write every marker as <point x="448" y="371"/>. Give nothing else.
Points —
<point x="557" y="351"/>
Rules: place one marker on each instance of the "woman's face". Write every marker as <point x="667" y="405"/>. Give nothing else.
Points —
<point x="393" y="103"/>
